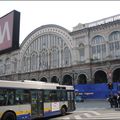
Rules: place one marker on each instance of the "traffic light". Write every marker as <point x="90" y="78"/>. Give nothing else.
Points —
<point x="110" y="85"/>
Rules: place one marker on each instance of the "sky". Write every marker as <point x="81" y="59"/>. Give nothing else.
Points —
<point x="63" y="13"/>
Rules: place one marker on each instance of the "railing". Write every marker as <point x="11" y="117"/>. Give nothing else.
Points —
<point x="96" y="23"/>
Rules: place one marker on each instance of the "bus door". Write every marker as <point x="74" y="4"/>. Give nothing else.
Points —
<point x="36" y="103"/>
<point x="71" y="100"/>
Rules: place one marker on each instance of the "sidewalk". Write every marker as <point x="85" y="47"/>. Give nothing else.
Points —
<point x="92" y="104"/>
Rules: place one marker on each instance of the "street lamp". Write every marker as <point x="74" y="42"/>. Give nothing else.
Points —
<point x="74" y="76"/>
<point x="109" y="72"/>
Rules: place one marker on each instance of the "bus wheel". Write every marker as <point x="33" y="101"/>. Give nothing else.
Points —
<point x="9" y="116"/>
<point x="63" y="111"/>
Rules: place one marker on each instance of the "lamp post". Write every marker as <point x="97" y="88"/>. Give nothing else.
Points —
<point x="109" y="72"/>
<point x="74" y="76"/>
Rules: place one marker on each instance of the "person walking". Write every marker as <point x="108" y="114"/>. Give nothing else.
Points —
<point x="115" y="100"/>
<point x="118" y="99"/>
<point x="111" y="100"/>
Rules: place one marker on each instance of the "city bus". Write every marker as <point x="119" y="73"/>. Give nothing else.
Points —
<point x="27" y="100"/>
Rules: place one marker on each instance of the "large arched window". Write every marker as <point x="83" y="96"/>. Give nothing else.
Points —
<point x="48" y="50"/>
<point x="67" y="57"/>
<point x="82" y="52"/>
<point x="114" y="44"/>
<point x="98" y="48"/>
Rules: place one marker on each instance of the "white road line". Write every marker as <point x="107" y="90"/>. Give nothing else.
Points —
<point x="66" y="118"/>
<point x="78" y="117"/>
<point x="87" y="115"/>
<point x="87" y="111"/>
<point x="99" y="118"/>
<point x="105" y="116"/>
<point x="94" y="112"/>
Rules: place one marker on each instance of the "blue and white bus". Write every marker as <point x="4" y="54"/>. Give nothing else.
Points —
<point x="25" y="100"/>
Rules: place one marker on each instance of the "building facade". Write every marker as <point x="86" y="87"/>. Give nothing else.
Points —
<point x="88" y="54"/>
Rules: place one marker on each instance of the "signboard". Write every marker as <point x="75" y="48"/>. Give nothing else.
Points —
<point x="9" y="32"/>
<point x="55" y="106"/>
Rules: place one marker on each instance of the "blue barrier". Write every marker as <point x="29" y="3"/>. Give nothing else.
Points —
<point x="96" y="91"/>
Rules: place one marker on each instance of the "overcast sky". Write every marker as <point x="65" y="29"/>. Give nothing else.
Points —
<point x="64" y="13"/>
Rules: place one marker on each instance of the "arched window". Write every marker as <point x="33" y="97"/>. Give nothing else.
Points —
<point x="54" y="58"/>
<point x="82" y="79"/>
<point x="82" y="52"/>
<point x="114" y="44"/>
<point x="100" y="77"/>
<point x="67" y="57"/>
<point x="67" y="80"/>
<point x="98" y="48"/>
<point x="1" y="67"/>
<point x="54" y="79"/>
<point x="34" y="60"/>
<point x="44" y="59"/>
<point x="43" y="79"/>
<point x="7" y="66"/>
<point x="26" y="64"/>
<point x="15" y="65"/>
<point x="53" y="53"/>
<point x="116" y="75"/>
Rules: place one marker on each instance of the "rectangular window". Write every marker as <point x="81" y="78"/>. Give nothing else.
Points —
<point x="6" y="97"/>
<point x="22" y="96"/>
<point x="55" y="95"/>
<point x="46" y="96"/>
<point x="62" y="95"/>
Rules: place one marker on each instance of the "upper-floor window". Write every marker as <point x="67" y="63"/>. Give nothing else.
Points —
<point x="114" y="36"/>
<point x="98" y="47"/>
<point x="67" y="56"/>
<point x="82" y="52"/>
<point x="114" y="44"/>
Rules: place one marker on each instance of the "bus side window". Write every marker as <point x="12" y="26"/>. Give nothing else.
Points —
<point x="63" y="95"/>
<point x="47" y="96"/>
<point x="2" y="97"/>
<point x="11" y="96"/>
<point x="22" y="96"/>
<point x="53" y="96"/>
<point x="6" y="97"/>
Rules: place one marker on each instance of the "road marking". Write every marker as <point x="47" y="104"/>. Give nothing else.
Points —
<point x="87" y="111"/>
<point x="78" y="117"/>
<point x="104" y="116"/>
<point x="65" y="118"/>
<point x="94" y="112"/>
<point x="87" y="115"/>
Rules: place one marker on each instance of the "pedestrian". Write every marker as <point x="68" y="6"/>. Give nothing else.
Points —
<point x="115" y="100"/>
<point x="111" y="101"/>
<point x="118" y="99"/>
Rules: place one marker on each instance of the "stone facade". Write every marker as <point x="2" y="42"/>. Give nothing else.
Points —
<point x="53" y="54"/>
